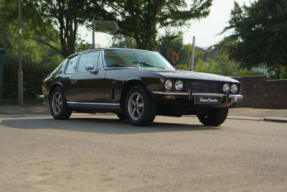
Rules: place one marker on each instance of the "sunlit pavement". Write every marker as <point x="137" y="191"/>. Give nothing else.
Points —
<point x="101" y="153"/>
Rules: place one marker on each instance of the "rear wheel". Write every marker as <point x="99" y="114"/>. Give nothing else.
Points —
<point x="139" y="107"/>
<point x="58" y="105"/>
<point x="214" y="117"/>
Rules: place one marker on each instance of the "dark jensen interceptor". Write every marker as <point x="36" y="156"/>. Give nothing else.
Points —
<point x="137" y="85"/>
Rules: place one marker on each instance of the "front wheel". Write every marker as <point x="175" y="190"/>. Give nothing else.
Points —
<point x="58" y="105"/>
<point x="139" y="107"/>
<point x="213" y="117"/>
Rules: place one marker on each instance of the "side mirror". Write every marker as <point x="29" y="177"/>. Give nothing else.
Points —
<point x="89" y="67"/>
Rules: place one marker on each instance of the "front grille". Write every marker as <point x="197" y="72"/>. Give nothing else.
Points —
<point x="198" y="86"/>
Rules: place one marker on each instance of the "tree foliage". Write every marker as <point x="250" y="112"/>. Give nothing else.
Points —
<point x="215" y="59"/>
<point x="141" y="19"/>
<point x="260" y="31"/>
<point x="172" y="48"/>
<point x="38" y="59"/>
<point x="120" y="41"/>
<point x="64" y="15"/>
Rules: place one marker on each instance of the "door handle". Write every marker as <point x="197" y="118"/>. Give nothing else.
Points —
<point x="96" y="71"/>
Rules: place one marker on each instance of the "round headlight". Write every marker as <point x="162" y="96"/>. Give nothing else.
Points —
<point x="234" y="88"/>
<point x="168" y="85"/>
<point x="226" y="88"/>
<point x="178" y="85"/>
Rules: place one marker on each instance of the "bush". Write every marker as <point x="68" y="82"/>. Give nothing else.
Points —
<point x="33" y="74"/>
<point x="182" y="67"/>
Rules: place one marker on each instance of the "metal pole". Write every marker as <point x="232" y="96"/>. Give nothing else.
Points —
<point x="20" y="70"/>
<point x="192" y="55"/>
<point x="93" y="44"/>
<point x="93" y="35"/>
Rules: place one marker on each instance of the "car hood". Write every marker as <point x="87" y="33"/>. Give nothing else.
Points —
<point x="180" y="74"/>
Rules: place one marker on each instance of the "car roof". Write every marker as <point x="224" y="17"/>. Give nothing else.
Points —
<point x="103" y="49"/>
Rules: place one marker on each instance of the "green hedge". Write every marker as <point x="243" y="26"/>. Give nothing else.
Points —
<point x="33" y="74"/>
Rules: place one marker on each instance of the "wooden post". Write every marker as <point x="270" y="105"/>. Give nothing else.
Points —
<point x="2" y="52"/>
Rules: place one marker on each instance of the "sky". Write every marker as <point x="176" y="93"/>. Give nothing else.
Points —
<point x="205" y="30"/>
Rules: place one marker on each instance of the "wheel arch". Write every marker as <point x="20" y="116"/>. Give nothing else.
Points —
<point x="53" y="86"/>
<point x="127" y="86"/>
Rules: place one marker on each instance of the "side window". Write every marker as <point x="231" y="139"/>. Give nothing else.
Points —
<point x="59" y="67"/>
<point x="72" y="63"/>
<point x="90" y="58"/>
<point x="62" y="65"/>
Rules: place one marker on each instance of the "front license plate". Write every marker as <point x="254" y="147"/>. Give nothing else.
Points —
<point x="207" y="100"/>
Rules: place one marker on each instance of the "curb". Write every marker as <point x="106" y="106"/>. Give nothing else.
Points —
<point x="246" y="118"/>
<point x="276" y="119"/>
<point x="271" y="119"/>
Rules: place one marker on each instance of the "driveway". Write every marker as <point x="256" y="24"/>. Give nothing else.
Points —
<point x="100" y="153"/>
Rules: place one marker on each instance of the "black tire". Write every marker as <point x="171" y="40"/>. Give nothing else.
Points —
<point x="122" y="116"/>
<point x="148" y="109"/>
<point x="63" y="112"/>
<point x="214" y="117"/>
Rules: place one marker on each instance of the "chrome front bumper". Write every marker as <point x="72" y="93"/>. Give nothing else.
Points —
<point x="234" y="97"/>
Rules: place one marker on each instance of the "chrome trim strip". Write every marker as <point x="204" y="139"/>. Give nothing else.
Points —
<point x="94" y="105"/>
<point x="209" y="94"/>
<point x="170" y="93"/>
<point x="231" y="96"/>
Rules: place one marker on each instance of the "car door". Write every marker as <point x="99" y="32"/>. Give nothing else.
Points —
<point x="66" y="76"/>
<point x="87" y="83"/>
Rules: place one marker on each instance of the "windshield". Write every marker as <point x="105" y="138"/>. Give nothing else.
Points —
<point x="136" y="58"/>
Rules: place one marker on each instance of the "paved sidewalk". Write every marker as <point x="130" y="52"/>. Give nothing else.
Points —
<point x="24" y="109"/>
<point x="275" y="115"/>
<point x="255" y="112"/>
<point x="234" y="113"/>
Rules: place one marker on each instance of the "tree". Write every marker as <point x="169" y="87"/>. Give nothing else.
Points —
<point x="120" y="41"/>
<point x="260" y="32"/>
<point x="38" y="59"/>
<point x="36" y="52"/>
<point x="170" y="47"/>
<point x="64" y="15"/>
<point x="141" y="19"/>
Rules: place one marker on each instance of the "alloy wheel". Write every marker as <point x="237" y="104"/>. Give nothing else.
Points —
<point x="57" y="103"/>
<point x="136" y="106"/>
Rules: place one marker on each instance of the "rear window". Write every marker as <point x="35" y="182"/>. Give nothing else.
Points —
<point x="59" y="67"/>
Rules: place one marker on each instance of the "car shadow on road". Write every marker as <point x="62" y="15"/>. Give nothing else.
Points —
<point x="99" y="125"/>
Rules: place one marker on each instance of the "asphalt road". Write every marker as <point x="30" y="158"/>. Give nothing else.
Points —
<point x="100" y="153"/>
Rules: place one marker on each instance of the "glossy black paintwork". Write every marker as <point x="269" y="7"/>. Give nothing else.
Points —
<point x="106" y="85"/>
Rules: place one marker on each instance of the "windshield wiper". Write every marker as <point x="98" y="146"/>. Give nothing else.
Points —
<point x="147" y="64"/>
